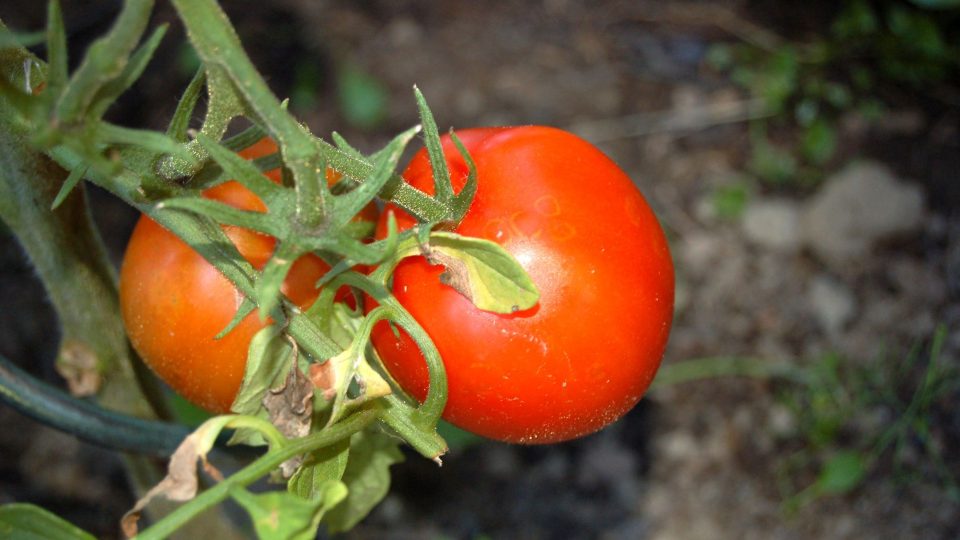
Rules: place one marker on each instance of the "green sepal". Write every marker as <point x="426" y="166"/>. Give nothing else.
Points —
<point x="223" y="105"/>
<point x="246" y="307"/>
<point x="274" y="272"/>
<point x="224" y="213"/>
<point x="461" y="203"/>
<point x="356" y="251"/>
<point x="71" y="182"/>
<point x="381" y="250"/>
<point x="442" y="187"/>
<point x="350" y="204"/>
<point x="345" y="146"/>
<point x="142" y="139"/>
<point x="245" y="138"/>
<point x="212" y="174"/>
<point x="180" y="122"/>
<point x="241" y="170"/>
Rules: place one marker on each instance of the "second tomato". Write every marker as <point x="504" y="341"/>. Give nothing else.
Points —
<point x="586" y="353"/>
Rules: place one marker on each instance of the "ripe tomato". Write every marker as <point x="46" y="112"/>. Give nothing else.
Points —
<point x="174" y="302"/>
<point x="586" y="353"/>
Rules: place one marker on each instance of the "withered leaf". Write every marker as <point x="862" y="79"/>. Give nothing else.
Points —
<point x="291" y="410"/>
<point x="77" y="364"/>
<point x="181" y="482"/>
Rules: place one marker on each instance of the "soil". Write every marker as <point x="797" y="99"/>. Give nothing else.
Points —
<point x="722" y="457"/>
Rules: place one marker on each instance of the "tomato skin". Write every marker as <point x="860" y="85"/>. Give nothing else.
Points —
<point x="174" y="302"/>
<point x="586" y="353"/>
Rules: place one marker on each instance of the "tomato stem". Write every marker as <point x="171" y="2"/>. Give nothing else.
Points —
<point x="217" y="45"/>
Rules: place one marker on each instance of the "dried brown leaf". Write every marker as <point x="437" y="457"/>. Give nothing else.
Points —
<point x="181" y="481"/>
<point x="77" y="363"/>
<point x="291" y="410"/>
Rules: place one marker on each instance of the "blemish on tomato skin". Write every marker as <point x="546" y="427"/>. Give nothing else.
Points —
<point x="547" y="205"/>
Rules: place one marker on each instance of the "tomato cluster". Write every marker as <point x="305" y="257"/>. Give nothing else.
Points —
<point x="573" y="363"/>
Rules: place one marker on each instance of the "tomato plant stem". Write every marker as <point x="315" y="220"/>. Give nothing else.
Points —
<point x="217" y="44"/>
<point x="70" y="258"/>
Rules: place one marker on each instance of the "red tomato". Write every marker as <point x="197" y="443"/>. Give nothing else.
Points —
<point x="174" y="302"/>
<point x="586" y="353"/>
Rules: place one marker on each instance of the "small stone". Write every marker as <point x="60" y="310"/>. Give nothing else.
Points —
<point x="859" y="207"/>
<point x="699" y="252"/>
<point x="832" y="303"/>
<point x="773" y="224"/>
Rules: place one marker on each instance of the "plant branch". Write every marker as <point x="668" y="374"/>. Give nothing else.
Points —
<point x="256" y="470"/>
<point x="94" y="424"/>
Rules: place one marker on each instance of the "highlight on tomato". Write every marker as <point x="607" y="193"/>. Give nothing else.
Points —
<point x="586" y="353"/>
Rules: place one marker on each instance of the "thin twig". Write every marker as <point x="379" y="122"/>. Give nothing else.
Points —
<point x="688" y="119"/>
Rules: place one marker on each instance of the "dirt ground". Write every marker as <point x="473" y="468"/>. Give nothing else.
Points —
<point x="783" y="281"/>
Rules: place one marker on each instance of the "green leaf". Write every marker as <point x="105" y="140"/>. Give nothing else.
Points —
<point x="268" y="362"/>
<point x="320" y="467"/>
<point x="347" y="380"/>
<point x="842" y="473"/>
<point x="279" y="515"/>
<point x="779" y="80"/>
<point x="730" y="201"/>
<point x="362" y="98"/>
<point x="367" y="477"/>
<point x="819" y="141"/>
<point x="484" y="272"/>
<point x="771" y="163"/>
<point x="855" y="20"/>
<point x="23" y="521"/>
